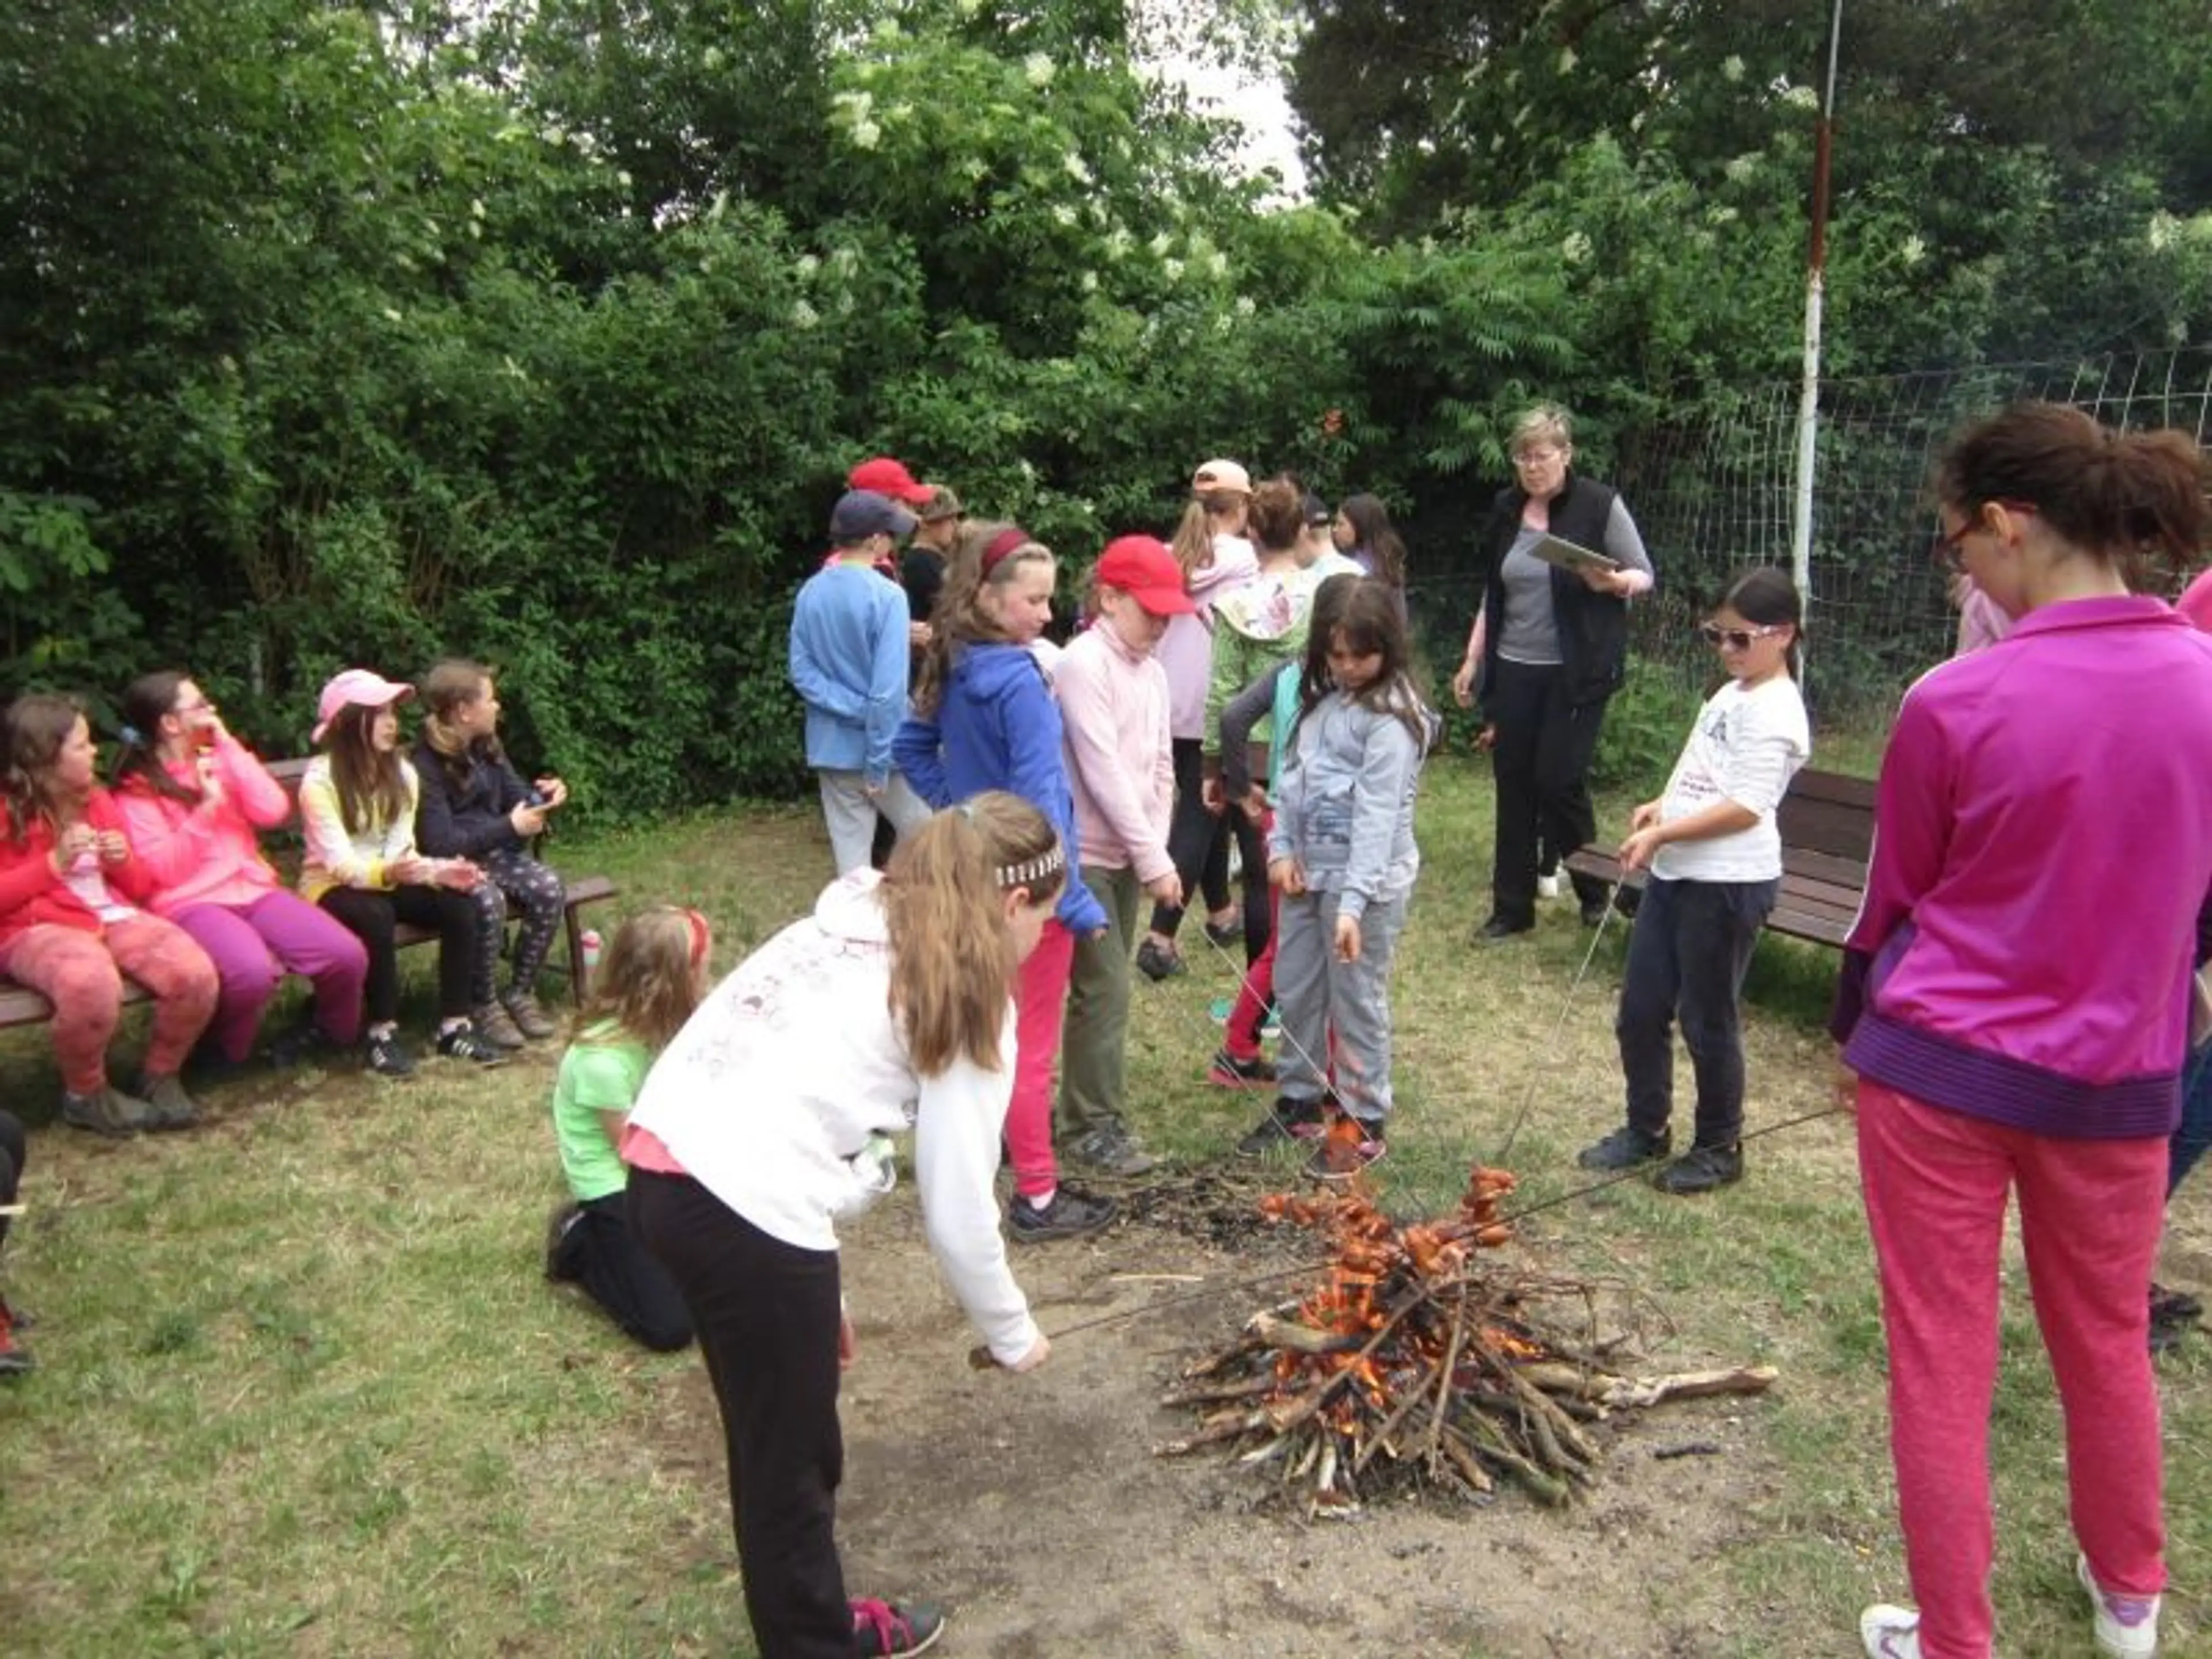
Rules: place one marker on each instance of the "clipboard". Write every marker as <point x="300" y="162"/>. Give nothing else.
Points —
<point x="1572" y="556"/>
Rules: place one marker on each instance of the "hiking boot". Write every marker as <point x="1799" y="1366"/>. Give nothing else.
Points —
<point x="1072" y="1214"/>
<point x="890" y="1630"/>
<point x="14" y="1358"/>
<point x="1226" y="933"/>
<point x="2126" y="1626"/>
<point x="529" y="1015"/>
<point x="1158" y="963"/>
<point x="171" y="1107"/>
<point x="1235" y="1072"/>
<point x="1111" y="1152"/>
<point x="1287" y="1123"/>
<point x="1348" y="1146"/>
<point x="1701" y="1169"/>
<point x="107" y="1111"/>
<point x="464" y="1042"/>
<point x="1623" y="1149"/>
<point x="495" y="1026"/>
<point x="1890" y="1632"/>
<point x="386" y="1055"/>
<point x="1498" y="927"/>
<point x="566" y="1214"/>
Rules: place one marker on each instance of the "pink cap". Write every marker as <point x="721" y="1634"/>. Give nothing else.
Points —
<point x="1142" y="568"/>
<point x="355" y="687"/>
<point x="1221" y="475"/>
<point x="889" y="477"/>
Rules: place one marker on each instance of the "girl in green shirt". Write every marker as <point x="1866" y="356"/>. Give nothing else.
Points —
<point x="655" y="972"/>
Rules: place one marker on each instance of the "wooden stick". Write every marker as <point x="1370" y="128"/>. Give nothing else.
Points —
<point x="1692" y="1385"/>
<point x="1444" y="1385"/>
<point x="1214" y="1393"/>
<point x="1230" y="1427"/>
<point x="1273" y="1332"/>
<point x="1415" y="1396"/>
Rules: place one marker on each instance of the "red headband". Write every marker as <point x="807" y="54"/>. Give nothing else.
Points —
<point x="702" y="939"/>
<point x="995" y="550"/>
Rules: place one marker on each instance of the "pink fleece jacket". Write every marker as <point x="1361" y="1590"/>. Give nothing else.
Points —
<point x="1186" y="650"/>
<point x="210" y="853"/>
<point x="1120" y="766"/>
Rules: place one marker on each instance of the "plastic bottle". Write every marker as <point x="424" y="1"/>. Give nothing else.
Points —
<point x="593" y="944"/>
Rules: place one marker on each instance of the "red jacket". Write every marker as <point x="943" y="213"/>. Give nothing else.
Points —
<point x="31" y="892"/>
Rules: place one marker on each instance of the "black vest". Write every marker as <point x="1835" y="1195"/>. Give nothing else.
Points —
<point x="1593" y="627"/>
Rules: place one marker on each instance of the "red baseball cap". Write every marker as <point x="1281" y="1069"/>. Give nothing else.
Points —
<point x="1142" y="568"/>
<point x="889" y="477"/>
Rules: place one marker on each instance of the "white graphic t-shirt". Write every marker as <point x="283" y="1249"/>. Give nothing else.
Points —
<point x="1745" y="747"/>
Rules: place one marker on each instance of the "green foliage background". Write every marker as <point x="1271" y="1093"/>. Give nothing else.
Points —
<point x="543" y="332"/>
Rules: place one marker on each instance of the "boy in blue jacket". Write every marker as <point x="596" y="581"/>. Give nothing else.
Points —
<point x="848" y="662"/>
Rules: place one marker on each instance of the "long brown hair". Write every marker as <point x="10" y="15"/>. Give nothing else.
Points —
<point x="371" y="788"/>
<point x="1372" y="529"/>
<point x="650" y="981"/>
<point x="37" y="725"/>
<point x="147" y="702"/>
<point x="985" y="556"/>
<point x="2121" y="498"/>
<point x="452" y="684"/>
<point x="1367" y="619"/>
<point x="953" y="960"/>
<point x="1203" y="518"/>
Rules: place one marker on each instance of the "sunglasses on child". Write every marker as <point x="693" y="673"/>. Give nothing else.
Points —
<point x="1735" y="639"/>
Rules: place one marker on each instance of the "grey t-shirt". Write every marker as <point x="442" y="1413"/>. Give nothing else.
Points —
<point x="1531" y="634"/>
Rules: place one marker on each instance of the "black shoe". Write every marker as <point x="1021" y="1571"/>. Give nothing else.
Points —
<point x="464" y="1042"/>
<point x="1594" y="912"/>
<point x="894" y="1629"/>
<point x="558" y="1225"/>
<point x="387" y="1056"/>
<point x="304" y="1045"/>
<point x="1498" y="927"/>
<point x="1111" y="1152"/>
<point x="1287" y="1123"/>
<point x="1226" y="933"/>
<point x="1235" y="1072"/>
<point x="1072" y="1214"/>
<point x="1701" y="1169"/>
<point x="1626" y="1148"/>
<point x="1156" y="964"/>
<point x="2173" y="1307"/>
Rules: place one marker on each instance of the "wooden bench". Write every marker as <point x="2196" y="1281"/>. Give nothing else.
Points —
<point x="1826" y="821"/>
<point x="20" y="1006"/>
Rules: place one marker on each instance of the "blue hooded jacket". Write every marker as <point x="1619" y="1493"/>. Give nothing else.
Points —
<point x="997" y="727"/>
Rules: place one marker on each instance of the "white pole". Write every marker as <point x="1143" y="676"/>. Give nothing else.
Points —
<point x="1808" y="400"/>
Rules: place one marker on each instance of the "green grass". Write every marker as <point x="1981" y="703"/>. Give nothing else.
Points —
<point x="302" y="1391"/>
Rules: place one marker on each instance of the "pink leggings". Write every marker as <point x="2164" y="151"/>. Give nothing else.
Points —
<point x="1935" y="1183"/>
<point x="77" y="971"/>
<point x="1041" y="1003"/>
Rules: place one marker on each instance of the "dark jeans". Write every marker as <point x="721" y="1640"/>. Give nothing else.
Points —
<point x="1542" y="761"/>
<point x="767" y="1315"/>
<point x="13" y="1151"/>
<point x="1197" y="840"/>
<point x="2194" y="1132"/>
<point x="374" y="914"/>
<point x="1687" y="957"/>
<point x="602" y="1254"/>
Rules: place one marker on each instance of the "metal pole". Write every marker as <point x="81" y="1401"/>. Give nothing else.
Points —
<point x="1808" y="401"/>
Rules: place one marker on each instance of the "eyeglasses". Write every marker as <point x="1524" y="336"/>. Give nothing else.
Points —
<point x="1536" y="457"/>
<point x="1735" y="639"/>
<point x="1948" y="547"/>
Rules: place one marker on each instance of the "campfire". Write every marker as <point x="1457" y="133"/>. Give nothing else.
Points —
<point x="1412" y="1362"/>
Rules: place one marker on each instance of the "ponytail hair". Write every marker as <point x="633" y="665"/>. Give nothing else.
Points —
<point x="1278" y="514"/>
<point x="953" y="960"/>
<point x="987" y="554"/>
<point x="147" y="702"/>
<point x="2123" y="499"/>
<point x="452" y="684"/>
<point x="35" y="727"/>
<point x="1768" y="598"/>
<point x="650" y="983"/>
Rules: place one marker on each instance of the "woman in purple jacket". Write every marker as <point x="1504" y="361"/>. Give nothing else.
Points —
<point x="2014" y="1002"/>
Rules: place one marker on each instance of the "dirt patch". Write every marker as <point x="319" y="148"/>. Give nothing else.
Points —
<point x="1034" y="1508"/>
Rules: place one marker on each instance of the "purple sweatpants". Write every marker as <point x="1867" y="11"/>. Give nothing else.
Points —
<point x="254" y="946"/>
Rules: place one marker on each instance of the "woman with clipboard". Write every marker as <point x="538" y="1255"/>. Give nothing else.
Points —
<point x="1561" y="557"/>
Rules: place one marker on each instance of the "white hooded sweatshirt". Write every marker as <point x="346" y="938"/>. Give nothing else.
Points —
<point x="773" y="1091"/>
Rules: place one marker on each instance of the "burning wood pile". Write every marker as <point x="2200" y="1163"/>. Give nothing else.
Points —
<point x="1410" y="1361"/>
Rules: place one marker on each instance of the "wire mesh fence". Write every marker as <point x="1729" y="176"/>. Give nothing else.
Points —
<point x="1713" y="495"/>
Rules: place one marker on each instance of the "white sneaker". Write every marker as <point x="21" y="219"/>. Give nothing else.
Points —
<point x="2126" y="1626"/>
<point x="1547" y="886"/>
<point x="1890" y="1632"/>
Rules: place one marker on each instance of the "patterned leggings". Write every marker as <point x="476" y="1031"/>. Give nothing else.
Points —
<point x="81" y="972"/>
<point x="534" y="889"/>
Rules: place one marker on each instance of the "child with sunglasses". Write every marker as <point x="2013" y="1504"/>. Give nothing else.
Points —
<point x="1715" y="857"/>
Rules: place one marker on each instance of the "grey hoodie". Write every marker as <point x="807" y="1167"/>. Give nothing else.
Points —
<point x="1344" y="804"/>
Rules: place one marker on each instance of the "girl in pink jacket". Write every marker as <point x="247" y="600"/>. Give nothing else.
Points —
<point x="194" y="802"/>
